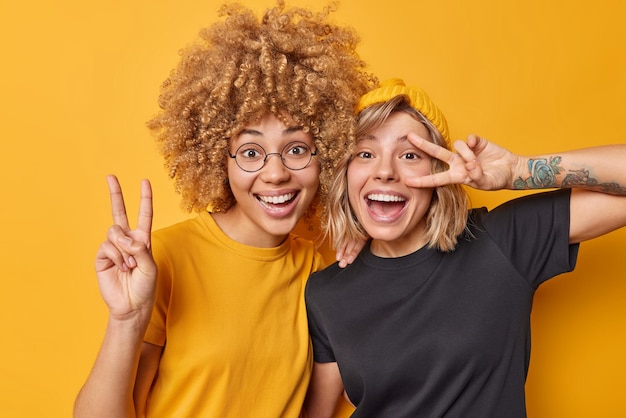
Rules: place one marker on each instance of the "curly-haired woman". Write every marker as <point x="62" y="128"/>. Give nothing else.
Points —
<point x="252" y="123"/>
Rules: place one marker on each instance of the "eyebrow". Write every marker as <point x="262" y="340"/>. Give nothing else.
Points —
<point x="370" y="137"/>
<point x="254" y="132"/>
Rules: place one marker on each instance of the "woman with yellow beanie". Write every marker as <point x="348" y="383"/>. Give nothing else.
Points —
<point x="433" y="317"/>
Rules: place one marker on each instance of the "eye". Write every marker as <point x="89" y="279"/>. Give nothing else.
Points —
<point x="410" y="156"/>
<point x="297" y="149"/>
<point x="364" y="155"/>
<point x="250" y="152"/>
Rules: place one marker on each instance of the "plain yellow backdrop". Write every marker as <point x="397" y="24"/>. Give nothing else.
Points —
<point x="79" y="79"/>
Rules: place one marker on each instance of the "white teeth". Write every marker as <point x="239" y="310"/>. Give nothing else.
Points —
<point x="385" y="198"/>
<point x="275" y="200"/>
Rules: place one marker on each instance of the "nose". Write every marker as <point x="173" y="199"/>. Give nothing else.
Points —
<point x="385" y="169"/>
<point x="274" y="171"/>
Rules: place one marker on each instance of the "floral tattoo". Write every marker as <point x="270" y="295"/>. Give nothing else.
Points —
<point x="543" y="174"/>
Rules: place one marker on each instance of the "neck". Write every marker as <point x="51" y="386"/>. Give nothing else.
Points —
<point x="244" y="232"/>
<point x="396" y="248"/>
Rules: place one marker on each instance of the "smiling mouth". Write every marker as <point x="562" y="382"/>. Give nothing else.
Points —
<point x="385" y="205"/>
<point x="273" y="201"/>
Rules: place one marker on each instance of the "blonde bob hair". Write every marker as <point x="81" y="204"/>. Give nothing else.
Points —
<point x="446" y="218"/>
<point x="291" y="63"/>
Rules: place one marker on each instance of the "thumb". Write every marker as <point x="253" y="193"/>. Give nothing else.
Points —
<point x="137" y="254"/>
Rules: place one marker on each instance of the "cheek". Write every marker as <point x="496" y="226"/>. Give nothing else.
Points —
<point x="354" y="173"/>
<point x="355" y="183"/>
<point x="422" y="198"/>
<point x="423" y="168"/>
<point x="310" y="176"/>
<point x="238" y="180"/>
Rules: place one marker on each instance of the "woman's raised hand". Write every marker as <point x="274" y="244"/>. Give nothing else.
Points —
<point x="124" y="264"/>
<point x="477" y="162"/>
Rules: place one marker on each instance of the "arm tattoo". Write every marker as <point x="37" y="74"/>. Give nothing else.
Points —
<point x="543" y="174"/>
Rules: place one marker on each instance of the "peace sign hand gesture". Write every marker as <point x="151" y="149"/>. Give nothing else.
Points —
<point x="124" y="264"/>
<point x="477" y="162"/>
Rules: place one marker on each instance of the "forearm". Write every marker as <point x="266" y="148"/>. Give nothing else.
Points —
<point x="108" y="391"/>
<point x="601" y="169"/>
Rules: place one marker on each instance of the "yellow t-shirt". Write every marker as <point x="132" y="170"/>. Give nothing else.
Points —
<point x="233" y="324"/>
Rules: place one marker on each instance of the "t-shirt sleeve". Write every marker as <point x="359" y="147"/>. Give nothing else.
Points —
<point x="533" y="233"/>
<point x="156" y="332"/>
<point x="322" y="350"/>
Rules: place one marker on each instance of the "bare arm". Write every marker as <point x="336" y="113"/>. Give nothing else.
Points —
<point x="483" y="165"/>
<point x="126" y="275"/>
<point x="146" y="372"/>
<point x="122" y="375"/>
<point x="598" y="205"/>
<point x="325" y="390"/>
<point x="601" y="169"/>
<point x="593" y="214"/>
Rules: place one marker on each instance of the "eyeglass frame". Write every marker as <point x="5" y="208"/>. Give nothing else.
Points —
<point x="267" y="154"/>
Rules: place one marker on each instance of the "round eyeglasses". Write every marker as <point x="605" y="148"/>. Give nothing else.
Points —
<point x="252" y="157"/>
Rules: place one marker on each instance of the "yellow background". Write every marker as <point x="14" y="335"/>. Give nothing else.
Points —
<point x="79" y="79"/>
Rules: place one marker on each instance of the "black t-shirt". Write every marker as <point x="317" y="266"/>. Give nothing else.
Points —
<point x="435" y="334"/>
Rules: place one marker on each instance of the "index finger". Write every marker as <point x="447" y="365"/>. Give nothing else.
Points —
<point x="118" y="209"/>
<point x="431" y="180"/>
<point x="144" y="221"/>
<point x="432" y="149"/>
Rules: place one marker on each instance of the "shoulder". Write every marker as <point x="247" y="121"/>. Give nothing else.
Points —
<point x="555" y="199"/>
<point x="305" y="249"/>
<point x="180" y="237"/>
<point x="553" y="203"/>
<point x="322" y="280"/>
<point x="181" y="228"/>
<point x="329" y="272"/>
<point x="301" y="244"/>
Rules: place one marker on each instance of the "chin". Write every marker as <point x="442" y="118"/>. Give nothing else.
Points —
<point x="384" y="236"/>
<point x="281" y="227"/>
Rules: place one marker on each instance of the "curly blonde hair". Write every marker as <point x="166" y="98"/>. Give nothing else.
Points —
<point x="290" y="63"/>
<point x="446" y="218"/>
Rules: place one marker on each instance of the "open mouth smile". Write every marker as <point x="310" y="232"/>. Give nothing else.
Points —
<point x="272" y="201"/>
<point x="379" y="197"/>
<point x="385" y="206"/>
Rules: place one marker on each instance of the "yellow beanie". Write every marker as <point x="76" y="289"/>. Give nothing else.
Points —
<point x="418" y="99"/>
